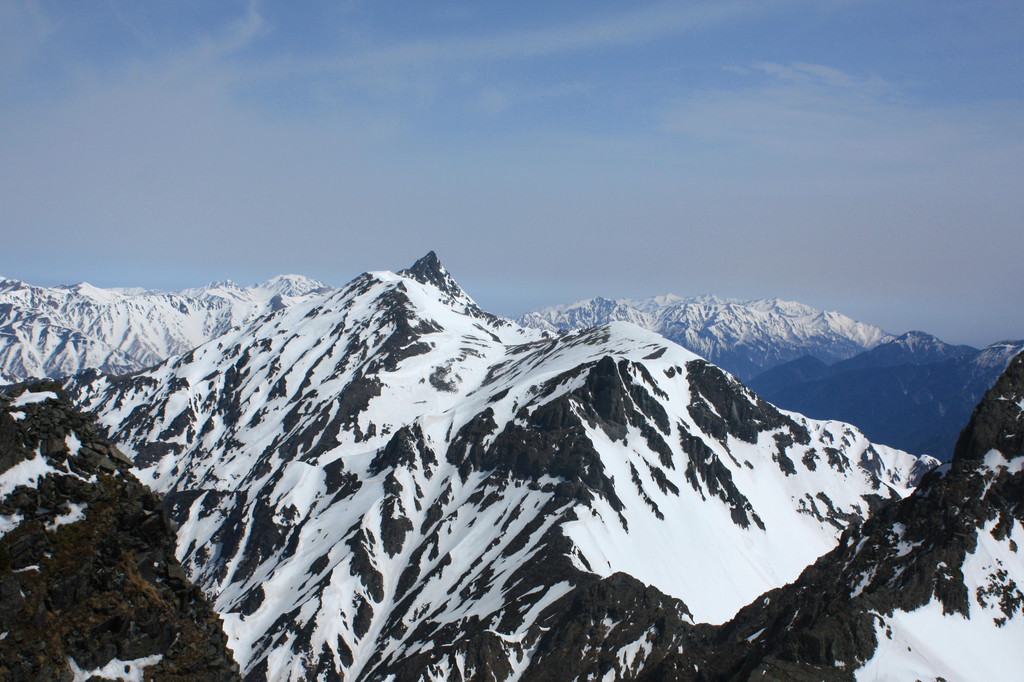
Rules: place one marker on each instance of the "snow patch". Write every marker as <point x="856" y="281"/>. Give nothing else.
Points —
<point x="996" y="461"/>
<point x="9" y="522"/>
<point x="75" y="513"/>
<point x="28" y="398"/>
<point x="25" y="473"/>
<point x="123" y="671"/>
<point x="71" y="440"/>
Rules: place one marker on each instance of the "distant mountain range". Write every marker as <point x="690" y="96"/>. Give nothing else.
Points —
<point x="744" y="337"/>
<point x="57" y="331"/>
<point x="913" y="392"/>
<point x="52" y="332"/>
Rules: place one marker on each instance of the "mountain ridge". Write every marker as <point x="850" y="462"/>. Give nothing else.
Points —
<point x="53" y="332"/>
<point x="388" y="481"/>
<point x="927" y="588"/>
<point x="743" y="336"/>
<point x="89" y="585"/>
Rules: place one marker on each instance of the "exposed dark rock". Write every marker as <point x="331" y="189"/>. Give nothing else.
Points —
<point x="585" y="631"/>
<point x="428" y="270"/>
<point x="89" y="573"/>
<point x="722" y="406"/>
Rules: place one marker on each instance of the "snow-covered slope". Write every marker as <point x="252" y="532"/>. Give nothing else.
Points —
<point x="390" y="481"/>
<point x="744" y="337"/>
<point x="61" y="330"/>
<point x="929" y="588"/>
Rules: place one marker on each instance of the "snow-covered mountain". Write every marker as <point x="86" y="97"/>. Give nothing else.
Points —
<point x="744" y="337"/>
<point x="52" y="332"/>
<point x="390" y="483"/>
<point x="929" y="588"/>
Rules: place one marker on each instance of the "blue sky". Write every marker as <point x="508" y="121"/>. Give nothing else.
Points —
<point x="855" y="155"/>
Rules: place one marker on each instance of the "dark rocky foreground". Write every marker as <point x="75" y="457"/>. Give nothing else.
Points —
<point x="88" y="574"/>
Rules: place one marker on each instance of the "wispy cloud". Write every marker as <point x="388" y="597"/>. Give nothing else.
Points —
<point x="812" y="112"/>
<point x="819" y="75"/>
<point x="238" y="35"/>
<point x="624" y="28"/>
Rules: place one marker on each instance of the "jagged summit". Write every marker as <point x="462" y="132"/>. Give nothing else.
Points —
<point x="428" y="270"/>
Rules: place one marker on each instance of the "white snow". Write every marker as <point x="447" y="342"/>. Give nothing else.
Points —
<point x="9" y="522"/>
<point x="75" y="513"/>
<point x="123" y="671"/>
<point x="865" y="580"/>
<point x="710" y="325"/>
<point x="927" y="644"/>
<point x="61" y="330"/>
<point x="28" y="398"/>
<point x="26" y="473"/>
<point x="322" y="346"/>
<point x="995" y="461"/>
<point x="73" y="443"/>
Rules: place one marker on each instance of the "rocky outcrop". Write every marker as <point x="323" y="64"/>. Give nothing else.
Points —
<point x="89" y="583"/>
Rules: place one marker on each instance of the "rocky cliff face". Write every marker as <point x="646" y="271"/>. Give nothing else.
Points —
<point x="89" y="583"/>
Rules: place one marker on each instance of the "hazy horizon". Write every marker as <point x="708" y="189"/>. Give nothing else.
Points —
<point x="856" y="156"/>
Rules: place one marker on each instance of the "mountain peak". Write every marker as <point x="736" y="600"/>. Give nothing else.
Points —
<point x="293" y="285"/>
<point x="428" y="270"/>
